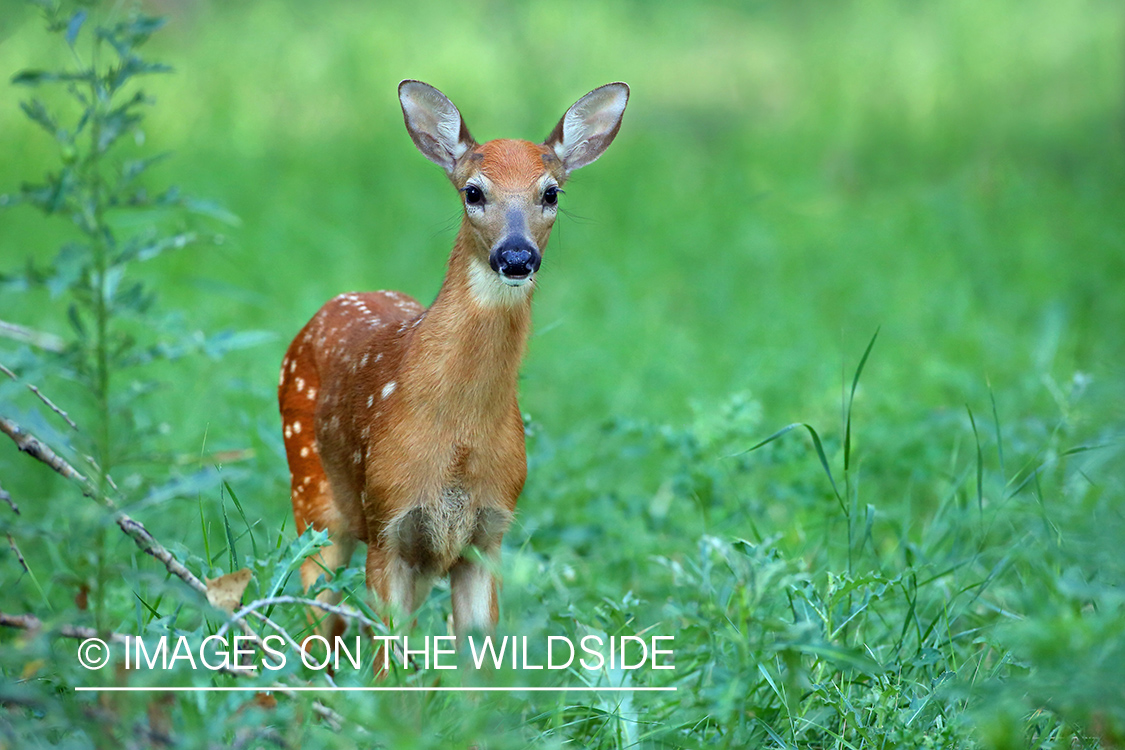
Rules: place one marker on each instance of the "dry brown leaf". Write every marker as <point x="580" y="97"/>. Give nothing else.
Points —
<point x="225" y="592"/>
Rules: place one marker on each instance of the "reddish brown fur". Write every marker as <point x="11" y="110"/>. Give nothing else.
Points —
<point x="452" y="419"/>
<point x="512" y="162"/>
<point x="401" y="424"/>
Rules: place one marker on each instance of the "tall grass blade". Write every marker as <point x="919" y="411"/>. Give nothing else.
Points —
<point x="999" y="437"/>
<point x="819" y="453"/>
<point x="851" y="398"/>
<point x="980" y="462"/>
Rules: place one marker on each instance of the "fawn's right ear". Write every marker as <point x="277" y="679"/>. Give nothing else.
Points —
<point x="434" y="124"/>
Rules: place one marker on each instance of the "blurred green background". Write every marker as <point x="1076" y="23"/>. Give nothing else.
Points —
<point x="790" y="176"/>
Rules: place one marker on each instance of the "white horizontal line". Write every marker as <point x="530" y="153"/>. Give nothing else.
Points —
<point x="406" y="689"/>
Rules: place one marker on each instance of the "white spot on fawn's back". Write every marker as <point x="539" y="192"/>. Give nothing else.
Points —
<point x="389" y="388"/>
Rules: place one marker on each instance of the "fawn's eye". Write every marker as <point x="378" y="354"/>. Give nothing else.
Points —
<point x="474" y="196"/>
<point x="551" y="195"/>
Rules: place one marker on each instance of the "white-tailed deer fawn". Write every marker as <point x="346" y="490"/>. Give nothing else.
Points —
<point x="401" y="423"/>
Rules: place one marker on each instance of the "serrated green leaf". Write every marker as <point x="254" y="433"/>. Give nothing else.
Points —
<point x="304" y="546"/>
<point x="114" y="125"/>
<point x="132" y="168"/>
<point x="74" y="26"/>
<point x="142" y="250"/>
<point x="68" y="268"/>
<point x="33" y="77"/>
<point x="37" y="113"/>
<point x="133" y="66"/>
<point x="37" y="77"/>
<point x="75" y="319"/>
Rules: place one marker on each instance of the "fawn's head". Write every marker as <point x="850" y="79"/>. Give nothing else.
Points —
<point x="510" y="188"/>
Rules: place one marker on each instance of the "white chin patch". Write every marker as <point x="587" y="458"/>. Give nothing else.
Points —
<point x="490" y="288"/>
<point x="517" y="282"/>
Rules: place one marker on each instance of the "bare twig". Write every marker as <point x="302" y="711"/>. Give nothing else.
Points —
<point x="147" y="542"/>
<point x="51" y="404"/>
<point x="35" y="448"/>
<point x="333" y="608"/>
<point x="42" y="397"/>
<point x="136" y="530"/>
<point x="289" y="639"/>
<point x="48" y="341"/>
<point x="18" y="554"/>
<point x="31" y="622"/>
<point x="8" y="499"/>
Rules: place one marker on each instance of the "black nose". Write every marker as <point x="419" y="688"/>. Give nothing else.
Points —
<point x="516" y="258"/>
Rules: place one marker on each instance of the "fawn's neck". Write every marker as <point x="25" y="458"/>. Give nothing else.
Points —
<point x="465" y="355"/>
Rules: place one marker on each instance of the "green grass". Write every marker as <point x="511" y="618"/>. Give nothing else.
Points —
<point x="789" y="178"/>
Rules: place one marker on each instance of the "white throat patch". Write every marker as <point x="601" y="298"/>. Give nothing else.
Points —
<point x="490" y="290"/>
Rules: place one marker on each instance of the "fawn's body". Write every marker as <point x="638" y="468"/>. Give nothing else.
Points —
<point x="401" y="424"/>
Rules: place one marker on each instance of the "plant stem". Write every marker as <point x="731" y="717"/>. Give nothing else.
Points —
<point x="101" y="239"/>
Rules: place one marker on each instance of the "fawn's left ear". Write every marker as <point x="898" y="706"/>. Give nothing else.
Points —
<point x="434" y="124"/>
<point x="589" y="126"/>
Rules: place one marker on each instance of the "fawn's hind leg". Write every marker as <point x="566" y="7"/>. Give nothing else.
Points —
<point x="325" y="562"/>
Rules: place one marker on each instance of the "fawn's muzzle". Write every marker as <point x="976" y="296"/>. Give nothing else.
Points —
<point x="515" y="259"/>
